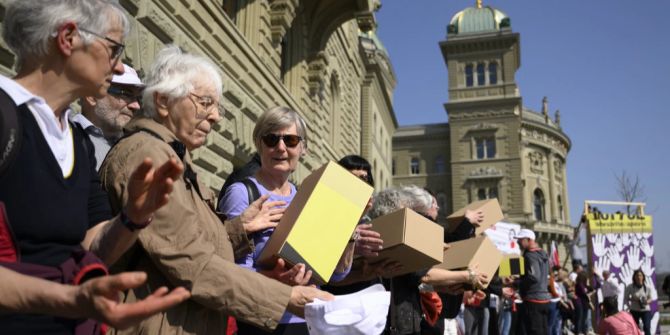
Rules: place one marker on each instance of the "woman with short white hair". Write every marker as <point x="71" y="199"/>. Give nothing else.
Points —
<point x="188" y="244"/>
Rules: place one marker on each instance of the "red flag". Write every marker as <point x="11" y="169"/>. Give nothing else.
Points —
<point x="553" y="256"/>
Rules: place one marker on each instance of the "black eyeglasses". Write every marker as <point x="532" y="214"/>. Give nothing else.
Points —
<point x="116" y="47"/>
<point x="291" y="141"/>
<point x="124" y="93"/>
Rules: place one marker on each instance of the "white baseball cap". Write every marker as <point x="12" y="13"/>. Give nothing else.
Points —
<point x="525" y="233"/>
<point x="129" y="77"/>
<point x="360" y="313"/>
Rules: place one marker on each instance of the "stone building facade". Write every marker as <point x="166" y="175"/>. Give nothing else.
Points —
<point x="319" y="57"/>
<point x="492" y="146"/>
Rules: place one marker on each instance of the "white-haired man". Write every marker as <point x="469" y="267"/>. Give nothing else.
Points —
<point x="103" y="118"/>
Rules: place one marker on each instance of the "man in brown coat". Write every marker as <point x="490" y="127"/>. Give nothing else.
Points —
<point x="187" y="244"/>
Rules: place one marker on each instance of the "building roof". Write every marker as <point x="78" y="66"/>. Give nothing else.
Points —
<point x="478" y="19"/>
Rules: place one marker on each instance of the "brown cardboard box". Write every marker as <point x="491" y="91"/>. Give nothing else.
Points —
<point x="317" y="225"/>
<point x="409" y="239"/>
<point x="492" y="214"/>
<point x="474" y="251"/>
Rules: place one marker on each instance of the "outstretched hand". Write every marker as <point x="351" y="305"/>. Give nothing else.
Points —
<point x="475" y="217"/>
<point x="262" y="214"/>
<point x="98" y="298"/>
<point x="293" y="276"/>
<point x="149" y="188"/>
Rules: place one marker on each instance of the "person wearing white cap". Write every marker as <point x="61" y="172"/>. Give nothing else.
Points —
<point x="534" y="284"/>
<point x="103" y="118"/>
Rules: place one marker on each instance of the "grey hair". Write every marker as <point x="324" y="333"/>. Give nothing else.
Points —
<point x="29" y="25"/>
<point x="392" y="199"/>
<point x="278" y="118"/>
<point x="422" y="201"/>
<point x="174" y="73"/>
<point x="388" y="201"/>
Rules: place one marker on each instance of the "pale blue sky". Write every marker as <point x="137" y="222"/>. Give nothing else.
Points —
<point x="604" y="64"/>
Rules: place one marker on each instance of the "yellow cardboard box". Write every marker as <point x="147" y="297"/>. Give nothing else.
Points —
<point x="409" y="239"/>
<point x="511" y="265"/>
<point x="319" y="222"/>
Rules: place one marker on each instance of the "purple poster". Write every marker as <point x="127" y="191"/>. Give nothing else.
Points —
<point x="623" y="244"/>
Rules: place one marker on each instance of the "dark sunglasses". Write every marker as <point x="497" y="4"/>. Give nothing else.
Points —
<point x="291" y="141"/>
<point x="124" y="93"/>
<point x="116" y="47"/>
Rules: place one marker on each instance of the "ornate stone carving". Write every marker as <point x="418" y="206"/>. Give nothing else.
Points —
<point x="485" y="172"/>
<point x="316" y="76"/>
<point x="558" y="169"/>
<point x="484" y="126"/>
<point x="536" y="160"/>
<point x="282" y="13"/>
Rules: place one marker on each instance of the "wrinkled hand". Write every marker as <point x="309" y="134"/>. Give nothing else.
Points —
<point x="646" y="248"/>
<point x="475" y="217"/>
<point x="369" y="242"/>
<point x="149" y="188"/>
<point x="292" y="276"/>
<point x="598" y="241"/>
<point x="634" y="257"/>
<point x="262" y="214"/>
<point x="302" y="295"/>
<point x="98" y="298"/>
<point x="616" y="258"/>
<point x="480" y="278"/>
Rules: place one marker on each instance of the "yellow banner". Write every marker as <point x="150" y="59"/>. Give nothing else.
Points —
<point x="602" y="223"/>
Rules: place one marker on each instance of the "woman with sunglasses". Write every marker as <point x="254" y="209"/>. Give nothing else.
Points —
<point x="280" y="136"/>
<point x="188" y="244"/>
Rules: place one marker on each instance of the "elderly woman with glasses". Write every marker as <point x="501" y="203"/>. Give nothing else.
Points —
<point x="280" y="136"/>
<point x="55" y="220"/>
<point x="188" y="244"/>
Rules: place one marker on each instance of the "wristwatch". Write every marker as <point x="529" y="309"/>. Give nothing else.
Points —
<point x="132" y="226"/>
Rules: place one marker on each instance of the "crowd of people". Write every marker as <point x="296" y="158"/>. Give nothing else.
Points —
<point x="104" y="222"/>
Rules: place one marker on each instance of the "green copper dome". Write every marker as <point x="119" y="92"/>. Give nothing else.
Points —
<point x="478" y="20"/>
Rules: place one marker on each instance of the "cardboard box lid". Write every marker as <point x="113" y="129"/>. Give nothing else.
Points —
<point x="410" y="239"/>
<point x="318" y="223"/>
<point x="492" y="214"/>
<point x="474" y="251"/>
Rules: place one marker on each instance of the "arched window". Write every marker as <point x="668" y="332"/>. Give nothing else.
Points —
<point x="493" y="73"/>
<point x="538" y="204"/>
<point x="560" y="207"/>
<point x="414" y="166"/>
<point x="481" y="75"/>
<point x="469" y="79"/>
